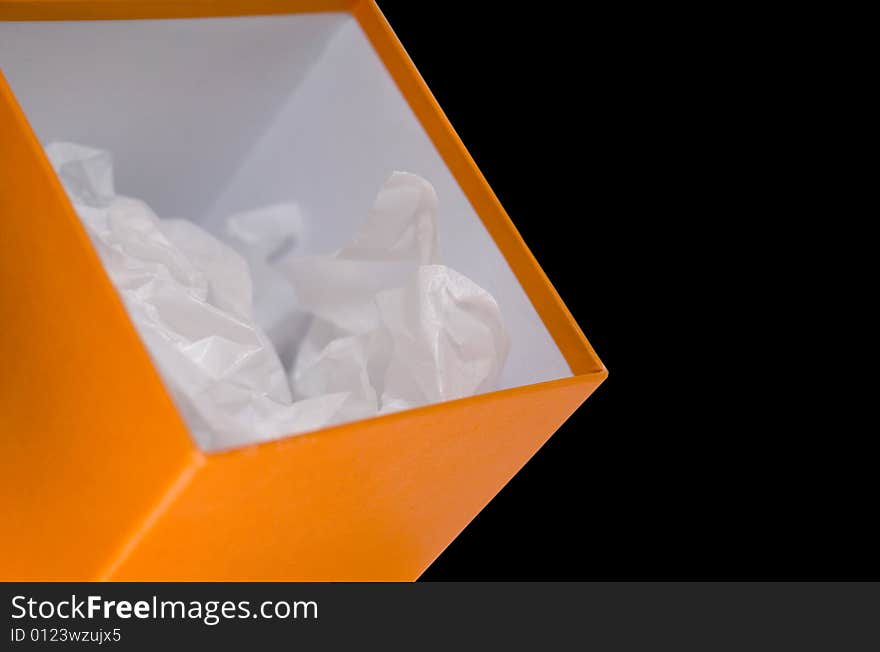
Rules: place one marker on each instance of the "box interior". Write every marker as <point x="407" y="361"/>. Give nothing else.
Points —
<point x="207" y="117"/>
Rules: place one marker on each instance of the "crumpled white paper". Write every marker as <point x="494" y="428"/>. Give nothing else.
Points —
<point x="264" y="236"/>
<point x="392" y="326"/>
<point x="377" y="327"/>
<point x="189" y="296"/>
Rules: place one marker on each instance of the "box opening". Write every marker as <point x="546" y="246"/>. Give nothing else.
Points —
<point x="207" y="117"/>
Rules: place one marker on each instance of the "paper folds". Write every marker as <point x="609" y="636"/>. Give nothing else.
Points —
<point x="378" y="326"/>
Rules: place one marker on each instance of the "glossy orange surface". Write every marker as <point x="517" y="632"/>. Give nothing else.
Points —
<point x="98" y="476"/>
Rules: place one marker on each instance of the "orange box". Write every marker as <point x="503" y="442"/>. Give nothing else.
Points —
<point x="99" y="478"/>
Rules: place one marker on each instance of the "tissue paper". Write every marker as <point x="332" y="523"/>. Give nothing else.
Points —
<point x="255" y="341"/>
<point x="189" y="296"/>
<point x="410" y="331"/>
<point x="264" y="236"/>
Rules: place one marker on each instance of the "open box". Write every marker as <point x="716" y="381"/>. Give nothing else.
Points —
<point x="209" y="111"/>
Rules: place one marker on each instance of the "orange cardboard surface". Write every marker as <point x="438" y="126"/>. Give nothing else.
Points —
<point x="99" y="478"/>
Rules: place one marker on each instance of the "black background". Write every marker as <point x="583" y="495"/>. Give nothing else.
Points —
<point x="552" y="112"/>
<point x="634" y="153"/>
